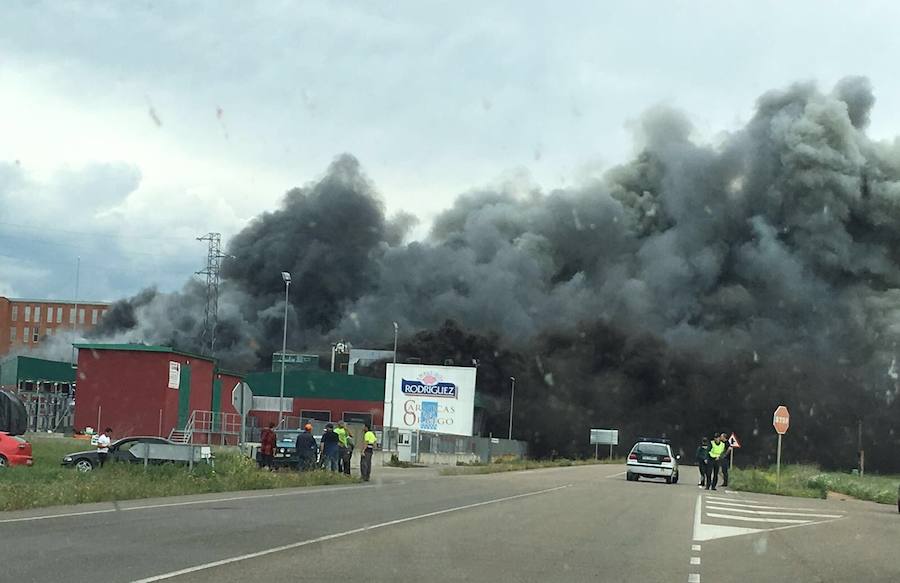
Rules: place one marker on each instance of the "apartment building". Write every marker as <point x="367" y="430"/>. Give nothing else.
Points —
<point x="28" y="322"/>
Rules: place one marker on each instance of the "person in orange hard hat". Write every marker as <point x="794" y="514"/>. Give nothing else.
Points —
<point x="306" y="449"/>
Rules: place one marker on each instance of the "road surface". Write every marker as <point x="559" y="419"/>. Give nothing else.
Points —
<point x="565" y="524"/>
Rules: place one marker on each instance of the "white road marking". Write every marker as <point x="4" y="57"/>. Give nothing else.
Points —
<point x="751" y="519"/>
<point x="694" y="578"/>
<point x="757" y="506"/>
<point x="336" y="535"/>
<point x="708" y="497"/>
<point x="617" y="475"/>
<point x="695" y="560"/>
<point x="187" y="503"/>
<point x="695" y="547"/>
<point x="771" y="512"/>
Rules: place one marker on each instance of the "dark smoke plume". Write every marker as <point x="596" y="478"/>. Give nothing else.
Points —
<point x="692" y="289"/>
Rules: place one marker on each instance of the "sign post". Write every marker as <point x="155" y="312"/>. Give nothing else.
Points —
<point x="604" y="437"/>
<point x="781" y="420"/>
<point x="242" y="400"/>
<point x="733" y="444"/>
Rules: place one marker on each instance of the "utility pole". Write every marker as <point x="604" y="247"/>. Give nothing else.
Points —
<point x="859" y="449"/>
<point x="512" y="400"/>
<point x="214" y="258"/>
<point x="286" y="277"/>
<point x="74" y="316"/>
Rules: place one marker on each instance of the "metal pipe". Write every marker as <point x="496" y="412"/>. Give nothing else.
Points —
<point x="393" y="381"/>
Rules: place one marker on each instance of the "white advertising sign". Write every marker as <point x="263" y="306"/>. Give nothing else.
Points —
<point x="440" y="399"/>
<point x="174" y="374"/>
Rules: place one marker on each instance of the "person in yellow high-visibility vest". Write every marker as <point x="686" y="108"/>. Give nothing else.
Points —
<point x="716" y="451"/>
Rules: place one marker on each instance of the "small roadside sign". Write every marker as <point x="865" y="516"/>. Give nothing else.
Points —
<point x="733" y="442"/>
<point x="781" y="420"/>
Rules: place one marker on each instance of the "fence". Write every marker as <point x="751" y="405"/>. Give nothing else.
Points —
<point x="438" y="448"/>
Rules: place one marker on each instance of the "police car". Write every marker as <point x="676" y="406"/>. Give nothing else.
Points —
<point x="652" y="458"/>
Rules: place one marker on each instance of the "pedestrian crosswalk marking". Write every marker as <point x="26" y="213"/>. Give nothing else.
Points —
<point x="719" y="498"/>
<point x="771" y="512"/>
<point x="708" y="527"/>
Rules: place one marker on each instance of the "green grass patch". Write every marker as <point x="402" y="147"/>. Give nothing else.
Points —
<point x="811" y="482"/>
<point x="49" y="484"/>
<point x="506" y="465"/>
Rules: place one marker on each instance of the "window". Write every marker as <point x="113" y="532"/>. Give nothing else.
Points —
<point x="28" y="313"/>
<point x="37" y="313"/>
<point x="315" y="415"/>
<point x="37" y="334"/>
<point x="15" y="313"/>
<point x="81" y="315"/>
<point x="49" y="332"/>
<point x="12" y="334"/>
<point x="26" y="336"/>
<point x="351" y="417"/>
<point x="59" y="315"/>
<point x="94" y="317"/>
<point x="71" y="315"/>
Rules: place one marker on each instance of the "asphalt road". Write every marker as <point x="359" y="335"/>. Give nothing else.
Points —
<point x="565" y="524"/>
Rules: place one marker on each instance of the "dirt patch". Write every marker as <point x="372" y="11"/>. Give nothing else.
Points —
<point x="838" y="496"/>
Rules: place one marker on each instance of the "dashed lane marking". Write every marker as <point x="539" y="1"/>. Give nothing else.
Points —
<point x="695" y="560"/>
<point x="694" y="578"/>
<point x="695" y="547"/>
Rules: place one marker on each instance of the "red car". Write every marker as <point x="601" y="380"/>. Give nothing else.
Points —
<point x="14" y="451"/>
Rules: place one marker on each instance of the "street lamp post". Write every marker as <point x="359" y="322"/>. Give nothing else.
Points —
<point x="512" y="399"/>
<point x="393" y="379"/>
<point x="287" y="286"/>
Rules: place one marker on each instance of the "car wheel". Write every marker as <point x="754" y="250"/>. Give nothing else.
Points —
<point x="669" y="479"/>
<point x="84" y="465"/>
<point x="3" y="461"/>
<point x="629" y="477"/>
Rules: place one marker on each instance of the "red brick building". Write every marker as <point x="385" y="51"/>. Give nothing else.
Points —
<point x="25" y="323"/>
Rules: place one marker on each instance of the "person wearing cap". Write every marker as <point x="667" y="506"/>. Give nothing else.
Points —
<point x="330" y="448"/>
<point x="344" y="451"/>
<point x="306" y="449"/>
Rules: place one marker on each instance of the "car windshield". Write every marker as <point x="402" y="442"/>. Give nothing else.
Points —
<point x="651" y="449"/>
<point x="286" y="437"/>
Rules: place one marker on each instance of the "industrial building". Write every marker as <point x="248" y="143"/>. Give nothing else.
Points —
<point x="45" y="387"/>
<point x="25" y="323"/>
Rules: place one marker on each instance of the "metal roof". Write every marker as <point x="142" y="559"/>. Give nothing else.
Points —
<point x="27" y="368"/>
<point x="141" y="348"/>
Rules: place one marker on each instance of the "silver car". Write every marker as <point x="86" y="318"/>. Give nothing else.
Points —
<point x="652" y="458"/>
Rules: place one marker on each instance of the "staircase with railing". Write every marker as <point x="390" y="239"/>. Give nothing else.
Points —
<point x="211" y="425"/>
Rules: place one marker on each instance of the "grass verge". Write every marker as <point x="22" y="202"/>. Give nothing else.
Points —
<point x="49" y="484"/>
<point x="811" y="482"/>
<point x="507" y="465"/>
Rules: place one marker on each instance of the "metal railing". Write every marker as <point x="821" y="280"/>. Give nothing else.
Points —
<point x="210" y="427"/>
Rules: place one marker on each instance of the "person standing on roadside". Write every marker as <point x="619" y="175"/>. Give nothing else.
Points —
<point x="716" y="449"/>
<point x="330" y="448"/>
<point x="725" y="460"/>
<point x="103" y="445"/>
<point x="267" y="447"/>
<point x="365" y="460"/>
<point x="306" y="449"/>
<point x="702" y="457"/>
<point x="343" y="448"/>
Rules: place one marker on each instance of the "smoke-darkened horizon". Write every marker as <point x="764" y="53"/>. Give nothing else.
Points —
<point x="773" y="254"/>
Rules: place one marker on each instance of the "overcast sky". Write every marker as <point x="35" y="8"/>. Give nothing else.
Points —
<point x="129" y="128"/>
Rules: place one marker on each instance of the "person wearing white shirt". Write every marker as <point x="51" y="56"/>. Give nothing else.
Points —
<point x="103" y="445"/>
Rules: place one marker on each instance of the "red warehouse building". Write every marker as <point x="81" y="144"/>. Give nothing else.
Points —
<point x="140" y="389"/>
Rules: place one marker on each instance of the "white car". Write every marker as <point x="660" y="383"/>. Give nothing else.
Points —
<point x="652" y="458"/>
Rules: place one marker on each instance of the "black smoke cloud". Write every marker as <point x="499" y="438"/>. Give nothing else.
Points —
<point x="690" y="289"/>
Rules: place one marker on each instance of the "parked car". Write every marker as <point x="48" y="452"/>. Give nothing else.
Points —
<point x="652" y="458"/>
<point x="119" y="451"/>
<point x="285" y="454"/>
<point x="14" y="451"/>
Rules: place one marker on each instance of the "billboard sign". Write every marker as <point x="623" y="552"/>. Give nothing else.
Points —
<point x="604" y="437"/>
<point x="433" y="398"/>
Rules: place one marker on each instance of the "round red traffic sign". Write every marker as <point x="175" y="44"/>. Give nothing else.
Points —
<point x="781" y="420"/>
